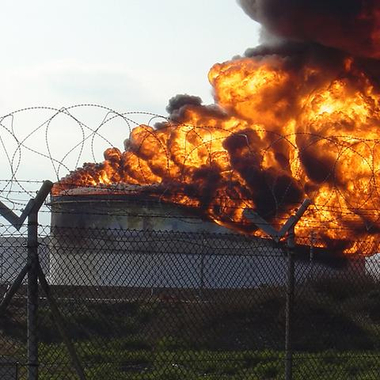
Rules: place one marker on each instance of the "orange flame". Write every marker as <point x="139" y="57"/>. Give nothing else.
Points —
<point x="278" y="133"/>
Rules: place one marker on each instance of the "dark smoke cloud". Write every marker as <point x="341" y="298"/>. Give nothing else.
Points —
<point x="349" y="25"/>
<point x="295" y="56"/>
<point x="271" y="190"/>
<point x="180" y="104"/>
<point x="180" y="100"/>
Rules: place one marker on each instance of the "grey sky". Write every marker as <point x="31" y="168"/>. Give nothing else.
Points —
<point x="128" y="55"/>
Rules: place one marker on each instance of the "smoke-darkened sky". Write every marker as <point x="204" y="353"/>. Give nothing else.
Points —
<point x="349" y="25"/>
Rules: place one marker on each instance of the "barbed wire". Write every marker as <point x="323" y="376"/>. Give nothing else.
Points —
<point x="283" y="153"/>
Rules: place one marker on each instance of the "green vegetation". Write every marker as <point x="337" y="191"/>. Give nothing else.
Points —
<point x="211" y="365"/>
<point x="236" y="335"/>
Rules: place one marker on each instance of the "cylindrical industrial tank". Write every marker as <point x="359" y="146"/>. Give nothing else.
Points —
<point x="138" y="212"/>
<point x="111" y="240"/>
<point x="138" y="241"/>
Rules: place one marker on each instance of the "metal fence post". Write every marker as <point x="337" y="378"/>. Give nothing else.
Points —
<point x="286" y="230"/>
<point x="289" y="306"/>
<point x="32" y="300"/>
<point x="30" y="212"/>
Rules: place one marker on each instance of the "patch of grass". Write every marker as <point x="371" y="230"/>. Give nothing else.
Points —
<point x="171" y="343"/>
<point x="135" y="343"/>
<point x="111" y="362"/>
<point x="335" y="328"/>
<point x="269" y="371"/>
<point x="343" y="288"/>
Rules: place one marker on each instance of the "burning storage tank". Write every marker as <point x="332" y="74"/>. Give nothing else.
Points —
<point x="296" y="117"/>
<point x="137" y="241"/>
<point x="124" y="207"/>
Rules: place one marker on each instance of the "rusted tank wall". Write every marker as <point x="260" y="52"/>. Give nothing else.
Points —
<point x="126" y="212"/>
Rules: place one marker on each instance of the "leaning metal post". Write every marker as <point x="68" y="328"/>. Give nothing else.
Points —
<point x="289" y="305"/>
<point x="30" y="212"/>
<point x="59" y="323"/>
<point x="32" y="303"/>
<point x="13" y="289"/>
<point x="286" y="230"/>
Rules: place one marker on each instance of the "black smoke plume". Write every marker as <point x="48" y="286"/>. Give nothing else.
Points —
<point x="349" y="25"/>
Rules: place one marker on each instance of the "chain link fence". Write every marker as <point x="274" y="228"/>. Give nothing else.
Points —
<point x="144" y="304"/>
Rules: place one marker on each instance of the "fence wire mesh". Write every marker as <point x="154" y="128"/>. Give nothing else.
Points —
<point x="144" y="304"/>
<point x="13" y="333"/>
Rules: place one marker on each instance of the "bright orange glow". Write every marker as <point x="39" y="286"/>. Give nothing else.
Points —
<point x="275" y="136"/>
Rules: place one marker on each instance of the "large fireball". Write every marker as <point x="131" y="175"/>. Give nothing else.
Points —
<point x="290" y="121"/>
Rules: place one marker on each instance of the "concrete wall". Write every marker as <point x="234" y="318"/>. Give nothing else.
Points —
<point x="153" y="259"/>
<point x="372" y="266"/>
<point x="13" y="257"/>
